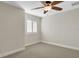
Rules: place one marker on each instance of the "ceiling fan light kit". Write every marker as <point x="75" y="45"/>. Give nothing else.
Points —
<point x="47" y="8"/>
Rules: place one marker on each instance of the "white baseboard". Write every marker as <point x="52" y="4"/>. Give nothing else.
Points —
<point x="60" y="45"/>
<point x="32" y="43"/>
<point x="12" y="52"/>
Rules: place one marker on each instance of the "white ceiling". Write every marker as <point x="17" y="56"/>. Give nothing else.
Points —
<point x="28" y="5"/>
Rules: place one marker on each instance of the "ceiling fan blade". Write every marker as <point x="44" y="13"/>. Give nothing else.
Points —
<point x="45" y="11"/>
<point x="37" y="8"/>
<point x="57" y="8"/>
<point x="56" y="2"/>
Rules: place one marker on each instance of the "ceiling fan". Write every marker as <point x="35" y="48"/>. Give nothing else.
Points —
<point x="48" y="5"/>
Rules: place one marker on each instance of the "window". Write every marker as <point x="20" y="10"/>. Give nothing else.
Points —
<point x="31" y="26"/>
<point x="34" y="26"/>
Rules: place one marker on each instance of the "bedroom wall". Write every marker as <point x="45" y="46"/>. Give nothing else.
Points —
<point x="32" y="38"/>
<point x="62" y="29"/>
<point x="11" y="29"/>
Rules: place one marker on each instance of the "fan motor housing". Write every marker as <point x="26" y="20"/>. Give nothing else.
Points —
<point x="48" y="2"/>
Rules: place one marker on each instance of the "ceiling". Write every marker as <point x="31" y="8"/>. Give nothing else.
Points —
<point x="28" y="5"/>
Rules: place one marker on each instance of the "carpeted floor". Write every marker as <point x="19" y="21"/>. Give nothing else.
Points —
<point x="42" y="50"/>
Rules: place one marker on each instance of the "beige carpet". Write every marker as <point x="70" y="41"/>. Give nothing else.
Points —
<point x="42" y="50"/>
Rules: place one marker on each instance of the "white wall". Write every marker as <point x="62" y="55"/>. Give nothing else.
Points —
<point x="31" y="38"/>
<point x="11" y="28"/>
<point x="62" y="28"/>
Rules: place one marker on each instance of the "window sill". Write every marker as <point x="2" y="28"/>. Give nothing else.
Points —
<point x="31" y="33"/>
